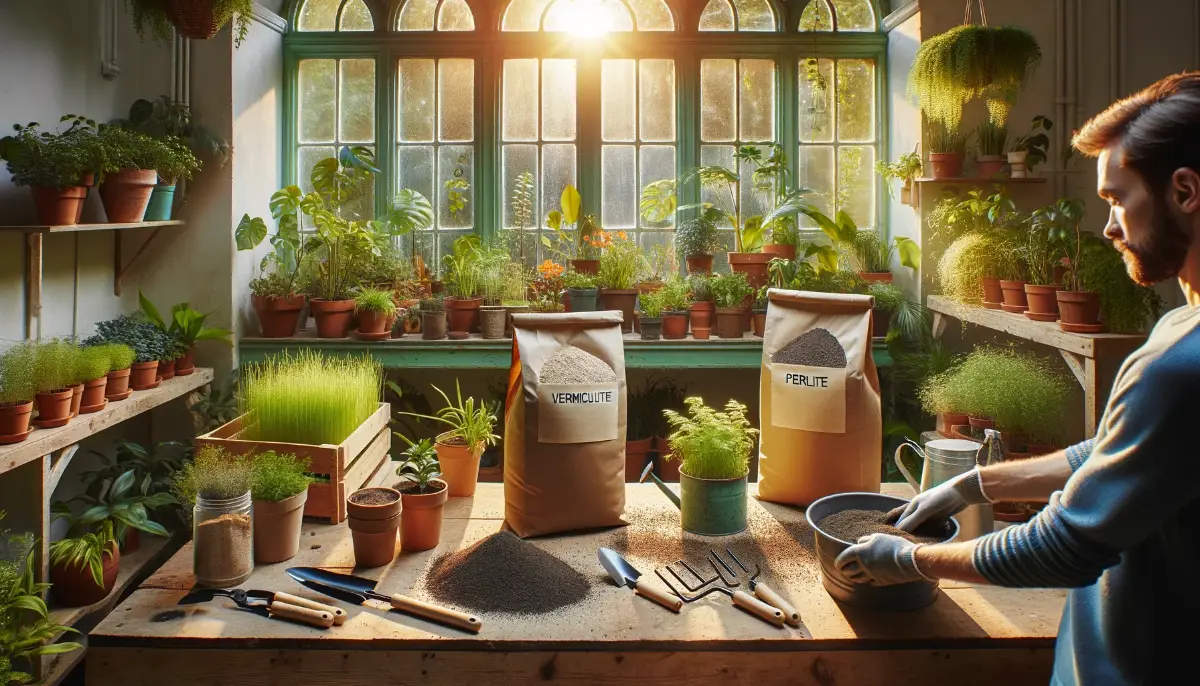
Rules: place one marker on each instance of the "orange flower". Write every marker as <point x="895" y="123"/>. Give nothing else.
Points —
<point x="550" y="270"/>
<point x="621" y="235"/>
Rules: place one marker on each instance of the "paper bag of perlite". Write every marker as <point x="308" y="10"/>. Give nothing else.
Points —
<point x="821" y="427"/>
<point x="564" y="424"/>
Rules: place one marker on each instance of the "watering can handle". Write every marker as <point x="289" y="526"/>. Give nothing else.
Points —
<point x="900" y="463"/>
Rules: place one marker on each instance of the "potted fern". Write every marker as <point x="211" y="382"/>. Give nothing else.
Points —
<point x="423" y="495"/>
<point x="459" y="449"/>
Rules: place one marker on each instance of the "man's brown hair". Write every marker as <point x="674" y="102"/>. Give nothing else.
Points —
<point x="1157" y="129"/>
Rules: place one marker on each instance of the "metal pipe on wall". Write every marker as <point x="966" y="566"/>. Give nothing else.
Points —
<point x="1060" y="81"/>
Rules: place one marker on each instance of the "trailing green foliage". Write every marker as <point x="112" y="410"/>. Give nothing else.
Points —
<point x="149" y="343"/>
<point x="18" y="379"/>
<point x="56" y="160"/>
<point x="469" y="420"/>
<point x="149" y="17"/>
<point x="711" y="444"/>
<point x="86" y="551"/>
<point x="905" y="169"/>
<point x="91" y="364"/>
<point x="275" y="477"/>
<point x="729" y="290"/>
<point x="175" y="161"/>
<point x="309" y="398"/>
<point x="420" y="466"/>
<point x="213" y="474"/>
<point x="374" y="300"/>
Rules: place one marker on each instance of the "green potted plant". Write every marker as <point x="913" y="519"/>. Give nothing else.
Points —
<point x="18" y="386"/>
<point x="1032" y="149"/>
<point x="969" y="260"/>
<point x="130" y="172"/>
<point x="215" y="488"/>
<point x="279" y="489"/>
<point x="149" y="343"/>
<point x="120" y="362"/>
<point x="433" y="318"/>
<point x="650" y="320"/>
<point x="185" y="327"/>
<point x="938" y="399"/>
<point x="423" y="496"/>
<point x="376" y="310"/>
<point x="639" y="431"/>
<point x="471" y="424"/>
<point x="874" y="255"/>
<point x="275" y="294"/>
<point x="583" y="289"/>
<point x="947" y="151"/>
<point x="748" y="232"/>
<point x="176" y="163"/>
<point x="196" y="19"/>
<point x="714" y="449"/>
<point x="1078" y="302"/>
<point x="515" y="296"/>
<point x="57" y="168"/>
<point x="697" y="239"/>
<point x="784" y="237"/>
<point x="1125" y="306"/>
<point x="54" y="379"/>
<point x="993" y="144"/>
<point x="729" y="293"/>
<point x="1043" y="265"/>
<point x="573" y="231"/>
<point x="124" y="501"/>
<point x="84" y="566"/>
<point x="493" y="262"/>
<point x="163" y="117"/>
<point x="153" y="471"/>
<point x="703" y="309"/>
<point x="91" y="369"/>
<point x="759" y="311"/>
<point x="621" y="263"/>
<point x="905" y="170"/>
<point x="463" y="280"/>
<point x="675" y="302"/>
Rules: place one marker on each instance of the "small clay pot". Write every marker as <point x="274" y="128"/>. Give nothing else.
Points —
<point x="460" y="466"/>
<point x="1079" y="307"/>
<point x="92" y="399"/>
<point x="491" y="322"/>
<point x="699" y="264"/>
<point x="58" y="206"/>
<point x="753" y="264"/>
<point x="700" y="315"/>
<point x="981" y="423"/>
<point x="621" y="300"/>
<point x="421" y="517"/>
<point x="144" y="376"/>
<point x="76" y="399"/>
<point x="463" y="314"/>
<point x="372" y="322"/>
<point x="877" y="277"/>
<point x="74" y="586"/>
<point x="586" y="266"/>
<point x="433" y="325"/>
<point x="947" y="421"/>
<point x="166" y="369"/>
<point x="993" y="294"/>
<point x="373" y="528"/>
<point x="651" y="328"/>
<point x="54" y="405"/>
<point x="1014" y="296"/>
<point x="334" y="317"/>
<point x="278" y="316"/>
<point x="675" y="325"/>
<point x="637" y="453"/>
<point x="759" y="319"/>
<point x="1043" y="302"/>
<point x="989" y="166"/>
<point x="14" y="422"/>
<point x="947" y="165"/>
<point x="117" y="385"/>
<point x="277" y="528"/>
<point x="701" y="333"/>
<point x="126" y="194"/>
<point x="186" y="364"/>
<point x="780" y="250"/>
<point x="729" y="322"/>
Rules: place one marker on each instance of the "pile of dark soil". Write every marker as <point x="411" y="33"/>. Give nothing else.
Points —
<point x="850" y="525"/>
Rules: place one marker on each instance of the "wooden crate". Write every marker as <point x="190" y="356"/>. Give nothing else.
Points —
<point x="350" y="464"/>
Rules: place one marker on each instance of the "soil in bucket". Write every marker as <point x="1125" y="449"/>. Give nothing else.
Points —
<point x="850" y="525"/>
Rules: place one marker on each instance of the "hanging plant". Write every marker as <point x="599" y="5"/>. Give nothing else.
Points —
<point x="973" y="61"/>
<point x="199" y="19"/>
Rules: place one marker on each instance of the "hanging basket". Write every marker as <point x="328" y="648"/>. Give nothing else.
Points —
<point x="192" y="18"/>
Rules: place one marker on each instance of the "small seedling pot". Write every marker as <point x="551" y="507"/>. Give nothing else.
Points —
<point x="14" y="422"/>
<point x="583" y="299"/>
<point x="277" y="528"/>
<point x="54" y="406"/>
<point x="92" y="399"/>
<point x="729" y="322"/>
<point x="491" y="322"/>
<point x="76" y="399"/>
<point x="708" y="507"/>
<point x="372" y="321"/>
<point x="117" y="385"/>
<point x="622" y="301"/>
<point x="675" y="325"/>
<point x="421" y="517"/>
<point x="460" y="466"/>
<point x="144" y="375"/>
<point x="126" y="194"/>
<point x="278" y="316"/>
<point x="1014" y="296"/>
<point x="651" y="328"/>
<point x="334" y="317"/>
<point x="947" y="165"/>
<point x="373" y="528"/>
<point x="73" y="586"/>
<point x="699" y="264"/>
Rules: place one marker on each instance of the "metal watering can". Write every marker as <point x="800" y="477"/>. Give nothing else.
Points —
<point x="706" y="506"/>
<point x="946" y="458"/>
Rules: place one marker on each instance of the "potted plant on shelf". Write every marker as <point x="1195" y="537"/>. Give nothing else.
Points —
<point x="572" y="231"/>
<point x="675" y="302"/>
<point x="153" y="473"/>
<point x="938" y="398"/>
<point x="874" y="255"/>
<point x="1032" y="149"/>
<point x="948" y="150"/>
<point x="176" y="163"/>
<point x="492" y="315"/>
<point x="275" y="294"/>
<point x="970" y="260"/>
<point x="905" y="170"/>
<point x="459" y="449"/>
<point x="1038" y="253"/>
<point x="651" y="315"/>
<point x="57" y="168"/>
<point x="423" y="496"/>
<point x="621" y="262"/>
<point x="92" y="370"/>
<point x="697" y="239"/>
<point x="18" y="387"/>
<point x="515" y="296"/>
<point x="279" y="489"/>
<point x="433" y="318"/>
<point x="150" y="345"/>
<point x="703" y="310"/>
<point x="376" y="310"/>
<point x="124" y="501"/>
<point x="1078" y="305"/>
<point x="120" y="362"/>
<point x="993" y="143"/>
<point x="729" y="292"/>
<point x="759" y="311"/>
<point x="546" y="289"/>
<point x="784" y="237"/>
<point x="130" y="172"/>
<point x="748" y="233"/>
<point x="196" y="19"/>
<point x="185" y="327"/>
<point x="583" y="290"/>
<point x="1125" y="306"/>
<point x="84" y="566"/>
<point x="463" y="282"/>
<point x="53" y="377"/>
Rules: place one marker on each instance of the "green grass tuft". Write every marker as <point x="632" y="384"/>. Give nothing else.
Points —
<point x="17" y="379"/>
<point x="374" y="300"/>
<point x="55" y="366"/>
<point x="212" y="474"/>
<point x="275" y="477"/>
<point x="92" y="364"/>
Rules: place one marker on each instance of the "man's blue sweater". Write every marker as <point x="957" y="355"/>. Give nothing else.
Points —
<point x="1124" y="533"/>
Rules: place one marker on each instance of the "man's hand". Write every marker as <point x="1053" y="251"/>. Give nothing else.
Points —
<point x="880" y="560"/>
<point x="940" y="502"/>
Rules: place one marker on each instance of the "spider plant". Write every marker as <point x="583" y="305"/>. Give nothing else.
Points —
<point x="469" y="421"/>
<point x="86" y="550"/>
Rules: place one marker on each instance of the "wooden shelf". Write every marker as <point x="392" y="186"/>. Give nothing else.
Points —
<point x="74" y="228"/>
<point x="45" y="442"/>
<point x="965" y="181"/>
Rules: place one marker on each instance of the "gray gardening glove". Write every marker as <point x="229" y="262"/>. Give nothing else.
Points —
<point x="880" y="560"/>
<point x="940" y="502"/>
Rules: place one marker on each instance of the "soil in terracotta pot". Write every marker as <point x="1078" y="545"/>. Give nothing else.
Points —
<point x="372" y="497"/>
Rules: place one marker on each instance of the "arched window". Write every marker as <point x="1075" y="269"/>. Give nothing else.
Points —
<point x="335" y="15"/>
<point x="737" y="15"/>
<point x="444" y="15"/>
<point x="588" y="16"/>
<point x="838" y="15"/>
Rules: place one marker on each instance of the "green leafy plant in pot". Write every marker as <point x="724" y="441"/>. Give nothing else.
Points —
<point x="423" y="495"/>
<point x="1032" y="149"/>
<point x="748" y="231"/>
<point x="1078" y="304"/>
<point x="215" y="487"/>
<point x="993" y="144"/>
<point x="696" y="238"/>
<point x="948" y="150"/>
<point x="675" y="301"/>
<point x="376" y="311"/>
<point x="622" y="263"/>
<point x="195" y="19"/>
<point x="58" y="168"/>
<point x="176" y="164"/>
<point x="703" y="309"/>
<point x="185" y="327"/>
<point x="149" y="343"/>
<point x="92" y="366"/>
<point x="969" y="260"/>
<point x="84" y="566"/>
<point x="906" y="169"/>
<point x="471" y="423"/>
<point x="125" y="500"/>
<point x="714" y="448"/>
<point x="874" y="255"/>
<point x="131" y="162"/>
<point x="464" y="281"/>
<point x="433" y="318"/>
<point x="279" y="488"/>
<point x="1043" y="264"/>
<point x="583" y="290"/>
<point x="651" y="306"/>
<point x="729" y="293"/>
<point x="55" y="371"/>
<point x="120" y="362"/>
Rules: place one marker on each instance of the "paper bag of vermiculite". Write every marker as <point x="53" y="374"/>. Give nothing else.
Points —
<point x="821" y="427"/>
<point x="564" y="424"/>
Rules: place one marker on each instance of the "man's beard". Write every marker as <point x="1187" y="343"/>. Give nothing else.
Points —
<point x="1162" y="254"/>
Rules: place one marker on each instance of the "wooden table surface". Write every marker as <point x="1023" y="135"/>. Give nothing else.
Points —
<point x="986" y="635"/>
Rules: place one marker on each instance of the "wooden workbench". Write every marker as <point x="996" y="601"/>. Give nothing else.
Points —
<point x="969" y="635"/>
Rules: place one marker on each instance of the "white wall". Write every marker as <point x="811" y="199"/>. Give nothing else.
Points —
<point x="904" y="135"/>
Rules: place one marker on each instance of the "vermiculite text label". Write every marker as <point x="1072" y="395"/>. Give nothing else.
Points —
<point x="592" y="398"/>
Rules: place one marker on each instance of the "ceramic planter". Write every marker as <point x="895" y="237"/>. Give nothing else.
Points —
<point x="278" y="316"/>
<point x="701" y="314"/>
<point x="1018" y="162"/>
<point x="162" y="203"/>
<point x="759" y="321"/>
<point x="421" y="517"/>
<point x="58" y="206"/>
<point x="433" y="325"/>
<point x="491" y="322"/>
<point x="14" y="422"/>
<point x="373" y="322"/>
<point x="780" y="250"/>
<point x="463" y="314"/>
<point x="993" y="294"/>
<point x="76" y="399"/>
<point x="277" y="528"/>
<point x="622" y="300"/>
<point x="729" y="322"/>
<point x="74" y="586"/>
<point x="186" y="364"/>
<point x="637" y="453"/>
<point x="126" y="194"/>
<point x="373" y="528"/>
<point x="583" y="299"/>
<point x="117" y="387"/>
<point x="1014" y="296"/>
<point x="675" y="325"/>
<point x="586" y="266"/>
<point x="54" y="408"/>
<point x="753" y="264"/>
<point x="1079" y="311"/>
<point x="651" y="328"/>
<point x="877" y="277"/>
<point x="989" y="166"/>
<point x="699" y="264"/>
<point x="92" y="399"/>
<point x="709" y="507"/>
<point x="334" y="317"/>
<point x="1043" y="302"/>
<point x="460" y="466"/>
<point x="166" y="369"/>
<point x="947" y="165"/>
<point x="143" y="376"/>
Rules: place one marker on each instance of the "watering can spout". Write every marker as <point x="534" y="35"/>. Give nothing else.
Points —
<point x="649" y="471"/>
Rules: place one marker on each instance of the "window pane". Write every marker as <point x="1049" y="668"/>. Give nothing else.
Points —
<point x="657" y="100"/>
<point x="558" y="100"/>
<point x="719" y="155"/>
<point x="520" y="100"/>
<point x="524" y="15"/>
<point x="856" y="165"/>
<point x="316" y="101"/>
<point x="416" y="101"/>
<point x="356" y="17"/>
<point x="455" y="15"/>
<point x="456" y="100"/>
<point x="856" y="100"/>
<point x="754" y="15"/>
<point x="415" y="169"/>
<point x="318" y="15"/>
<point x="815" y="164"/>
<point x="558" y="170"/>
<point x="356" y="101"/>
<point x="306" y="158"/>
<point x="618" y="105"/>
<point x="652" y="15"/>
<point x="520" y="172"/>
<point x="656" y="163"/>
<point x="758" y="100"/>
<point x="620" y="187"/>
<point x="456" y="174"/>
<point x="816" y="17"/>
<point x="595" y="18"/>
<point x="417" y="15"/>
<point x="756" y="200"/>
<point x="718" y="100"/>
<point x="717" y="16"/>
<point x="816" y="106"/>
<point x="854" y="15"/>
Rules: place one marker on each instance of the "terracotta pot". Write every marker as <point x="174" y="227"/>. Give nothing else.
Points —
<point x="621" y="300"/>
<point x="144" y="376"/>
<point x="747" y="320"/>
<point x="699" y="264"/>
<point x="277" y="528"/>
<point x="117" y="384"/>
<point x="132" y="542"/>
<point x="278" y="316"/>
<point x="729" y="322"/>
<point x="372" y="321"/>
<point x="667" y="470"/>
<point x="460" y="467"/>
<point x="877" y="277"/>
<point x="1043" y="302"/>
<point x="92" y="399"/>
<point x="992" y="292"/>
<point x="75" y="587"/>
<point x="651" y="328"/>
<point x="981" y="423"/>
<point x="649" y="287"/>
<point x="675" y="325"/>
<point x="186" y="364"/>
<point x="463" y="314"/>
<point x="753" y="265"/>
<point x="586" y="266"/>
<point x="334" y="317"/>
<point x="701" y="314"/>
<point x="947" y="165"/>
<point x="782" y="250"/>
<point x="126" y="194"/>
<point x="491" y="322"/>
<point x="14" y="422"/>
<point x="373" y="528"/>
<point x="637" y="453"/>
<point x="433" y="325"/>
<point x="1079" y="307"/>
<point x="54" y="406"/>
<point x="166" y="369"/>
<point x="759" y="319"/>
<point x="76" y="399"/>
<point x="947" y="421"/>
<point x="990" y="166"/>
<point x="421" y="518"/>
<point x="58" y="206"/>
<point x="1014" y="296"/>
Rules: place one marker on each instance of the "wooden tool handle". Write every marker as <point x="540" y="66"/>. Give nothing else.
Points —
<point x="304" y="615"/>
<point x="339" y="615"/>
<point x="770" y="597"/>
<point x="658" y="595"/>
<point x="757" y="607"/>
<point x="436" y="613"/>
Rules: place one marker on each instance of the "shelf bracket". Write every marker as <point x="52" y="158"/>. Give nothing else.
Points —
<point x="120" y="269"/>
<point x="1075" y="363"/>
<point x="58" y="465"/>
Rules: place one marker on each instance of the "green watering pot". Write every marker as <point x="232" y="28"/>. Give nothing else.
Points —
<point x="162" y="201"/>
<point x="708" y="507"/>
